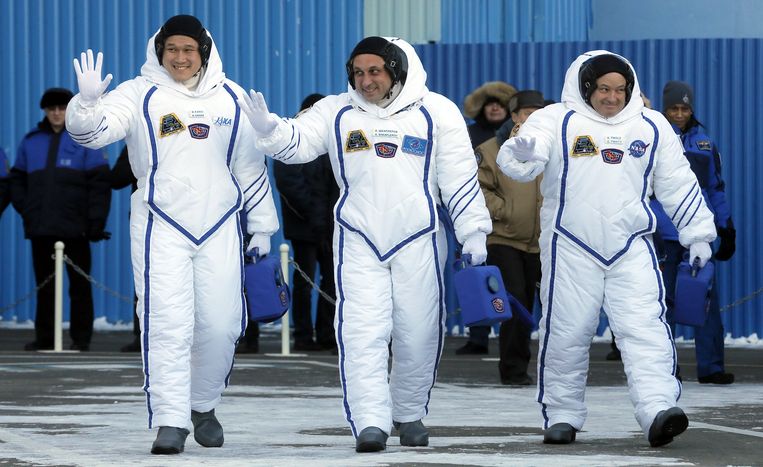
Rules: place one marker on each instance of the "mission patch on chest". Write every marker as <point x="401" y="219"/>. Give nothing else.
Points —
<point x="584" y="146"/>
<point x="170" y="124"/>
<point x="356" y="141"/>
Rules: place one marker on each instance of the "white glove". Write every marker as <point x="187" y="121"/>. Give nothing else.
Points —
<point x="256" y="110"/>
<point x="702" y="251"/>
<point x="89" y="78"/>
<point x="523" y="149"/>
<point x="259" y="244"/>
<point x="475" y="245"/>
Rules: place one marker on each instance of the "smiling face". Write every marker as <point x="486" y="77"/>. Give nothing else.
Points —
<point x="609" y="97"/>
<point x="372" y="80"/>
<point x="181" y="57"/>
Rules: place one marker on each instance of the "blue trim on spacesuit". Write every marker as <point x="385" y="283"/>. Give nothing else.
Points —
<point x="548" y="310"/>
<point x="89" y="136"/>
<point x="563" y="187"/>
<point x="339" y="327"/>
<point x="340" y="204"/>
<point x="290" y="148"/>
<point x="155" y="165"/>
<point x="146" y="306"/>
<point x="695" y="196"/>
<point x="244" y="313"/>
<point x="664" y="308"/>
<point x="440" y="314"/>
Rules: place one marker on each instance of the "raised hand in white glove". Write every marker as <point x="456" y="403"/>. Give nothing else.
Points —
<point x="259" y="245"/>
<point x="91" y="87"/>
<point x="256" y="110"/>
<point x="523" y="149"/>
<point x="475" y="246"/>
<point x="702" y="251"/>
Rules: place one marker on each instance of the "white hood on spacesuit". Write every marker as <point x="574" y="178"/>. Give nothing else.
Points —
<point x="413" y="90"/>
<point x="212" y="74"/>
<point x="572" y="98"/>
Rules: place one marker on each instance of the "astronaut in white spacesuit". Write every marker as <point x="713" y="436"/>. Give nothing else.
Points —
<point x="603" y="155"/>
<point x="398" y="153"/>
<point x="193" y="154"/>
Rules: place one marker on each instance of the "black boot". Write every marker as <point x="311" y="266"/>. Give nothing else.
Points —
<point x="207" y="431"/>
<point x="559" y="433"/>
<point x="371" y="439"/>
<point x="169" y="440"/>
<point x="666" y="425"/>
<point x="412" y="433"/>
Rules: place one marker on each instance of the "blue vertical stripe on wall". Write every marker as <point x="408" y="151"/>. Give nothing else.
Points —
<point x="501" y="21"/>
<point x="725" y="74"/>
<point x="284" y="48"/>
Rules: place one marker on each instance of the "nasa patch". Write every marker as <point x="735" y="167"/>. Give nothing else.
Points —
<point x="704" y="145"/>
<point x="385" y="150"/>
<point x="478" y="156"/>
<point x="612" y="156"/>
<point x="170" y="124"/>
<point x="414" y="145"/>
<point x="584" y="146"/>
<point x="356" y="141"/>
<point x="199" y="131"/>
<point x="637" y="148"/>
<point x="498" y="305"/>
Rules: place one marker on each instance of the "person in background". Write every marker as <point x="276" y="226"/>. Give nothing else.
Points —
<point x="513" y="244"/>
<point x="705" y="160"/>
<point x="61" y="190"/>
<point x="308" y="195"/>
<point x="193" y="154"/>
<point x="603" y="154"/>
<point x="488" y="106"/>
<point x="402" y="158"/>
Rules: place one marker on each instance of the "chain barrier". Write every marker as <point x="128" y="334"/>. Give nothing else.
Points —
<point x="744" y="299"/>
<point x="27" y="296"/>
<point x="90" y="279"/>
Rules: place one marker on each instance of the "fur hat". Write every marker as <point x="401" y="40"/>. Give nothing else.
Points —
<point x="498" y="90"/>
<point x="55" y="96"/>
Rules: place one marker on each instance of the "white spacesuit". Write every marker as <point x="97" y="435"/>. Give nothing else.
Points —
<point x="394" y="166"/>
<point x="596" y="241"/>
<point x="193" y="154"/>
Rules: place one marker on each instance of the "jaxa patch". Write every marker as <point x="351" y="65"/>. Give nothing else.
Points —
<point x="385" y="150"/>
<point x="612" y="156"/>
<point x="704" y="145"/>
<point x="356" y="141"/>
<point x="222" y="121"/>
<point x="170" y="124"/>
<point x="199" y="131"/>
<point x="414" y="145"/>
<point x="498" y="305"/>
<point x="637" y="148"/>
<point x="584" y="146"/>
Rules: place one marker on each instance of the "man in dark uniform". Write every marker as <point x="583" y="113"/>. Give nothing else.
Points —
<point x="62" y="192"/>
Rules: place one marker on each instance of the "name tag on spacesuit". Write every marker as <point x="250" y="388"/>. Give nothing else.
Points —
<point x="267" y="293"/>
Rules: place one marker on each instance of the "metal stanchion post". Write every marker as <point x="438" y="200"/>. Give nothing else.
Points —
<point x="284" y="249"/>
<point x="58" y="306"/>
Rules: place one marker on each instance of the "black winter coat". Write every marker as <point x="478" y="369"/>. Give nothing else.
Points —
<point x="308" y="194"/>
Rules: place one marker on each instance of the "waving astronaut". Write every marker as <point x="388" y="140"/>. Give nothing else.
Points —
<point x="398" y="152"/>
<point x="603" y="154"/>
<point x="193" y="155"/>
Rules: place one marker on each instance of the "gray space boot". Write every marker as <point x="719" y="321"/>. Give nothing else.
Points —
<point x="169" y="440"/>
<point x="207" y="431"/>
<point x="371" y="439"/>
<point x="559" y="433"/>
<point x="667" y="424"/>
<point x="412" y="433"/>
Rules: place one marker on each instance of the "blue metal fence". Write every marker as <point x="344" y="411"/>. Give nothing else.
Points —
<point x="290" y="48"/>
